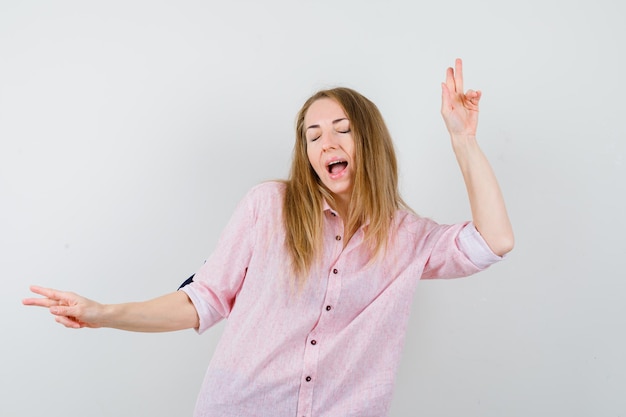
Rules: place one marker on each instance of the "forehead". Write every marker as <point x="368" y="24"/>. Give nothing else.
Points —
<point x="324" y="110"/>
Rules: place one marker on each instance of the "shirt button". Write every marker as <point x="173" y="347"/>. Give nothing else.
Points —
<point x="335" y="271"/>
<point x="314" y="342"/>
<point x="328" y="308"/>
<point x="308" y="379"/>
<point x="337" y="237"/>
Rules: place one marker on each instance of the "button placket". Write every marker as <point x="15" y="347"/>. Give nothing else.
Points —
<point x="308" y="381"/>
<point x="309" y="371"/>
<point x="333" y="283"/>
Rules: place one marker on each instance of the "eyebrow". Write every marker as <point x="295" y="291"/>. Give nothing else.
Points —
<point x="334" y="121"/>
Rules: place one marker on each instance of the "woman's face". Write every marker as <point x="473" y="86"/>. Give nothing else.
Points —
<point x="330" y="147"/>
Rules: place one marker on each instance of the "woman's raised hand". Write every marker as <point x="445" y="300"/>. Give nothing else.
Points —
<point x="458" y="108"/>
<point x="69" y="309"/>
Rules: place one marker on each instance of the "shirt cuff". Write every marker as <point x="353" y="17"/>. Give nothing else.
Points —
<point x="207" y="315"/>
<point x="472" y="244"/>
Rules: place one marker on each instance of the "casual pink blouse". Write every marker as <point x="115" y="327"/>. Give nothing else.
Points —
<point x="331" y="349"/>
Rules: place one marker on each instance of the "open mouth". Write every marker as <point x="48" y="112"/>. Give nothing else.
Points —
<point x="335" y="167"/>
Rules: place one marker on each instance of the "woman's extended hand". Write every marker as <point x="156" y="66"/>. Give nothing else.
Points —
<point x="173" y="311"/>
<point x="460" y="113"/>
<point x="458" y="108"/>
<point x="69" y="309"/>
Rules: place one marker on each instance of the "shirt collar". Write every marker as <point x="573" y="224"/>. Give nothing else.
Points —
<point x="327" y="208"/>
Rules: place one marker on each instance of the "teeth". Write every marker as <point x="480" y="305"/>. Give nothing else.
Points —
<point x="330" y="165"/>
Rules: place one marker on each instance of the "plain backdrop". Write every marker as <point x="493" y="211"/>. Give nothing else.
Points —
<point x="129" y="130"/>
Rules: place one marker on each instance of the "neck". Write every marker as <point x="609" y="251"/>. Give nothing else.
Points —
<point x="342" y="205"/>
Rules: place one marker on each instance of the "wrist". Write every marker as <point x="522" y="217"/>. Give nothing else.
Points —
<point x="462" y="138"/>
<point x="463" y="144"/>
<point x="106" y="315"/>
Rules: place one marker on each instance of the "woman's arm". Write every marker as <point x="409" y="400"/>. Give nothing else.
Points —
<point x="170" y="312"/>
<point x="460" y="114"/>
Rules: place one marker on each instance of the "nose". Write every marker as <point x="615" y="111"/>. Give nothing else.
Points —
<point x="328" y="141"/>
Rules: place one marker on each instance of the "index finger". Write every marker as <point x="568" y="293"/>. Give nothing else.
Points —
<point x="450" y="82"/>
<point x="51" y="297"/>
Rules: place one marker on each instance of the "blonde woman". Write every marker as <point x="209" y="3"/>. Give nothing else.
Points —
<point x="316" y="274"/>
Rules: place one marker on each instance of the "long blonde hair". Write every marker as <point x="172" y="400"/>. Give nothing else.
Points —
<point x="375" y="195"/>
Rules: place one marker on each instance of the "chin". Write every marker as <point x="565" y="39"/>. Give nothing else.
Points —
<point x="340" y="192"/>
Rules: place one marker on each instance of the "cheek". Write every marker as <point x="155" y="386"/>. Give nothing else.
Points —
<point x="310" y="155"/>
<point x="350" y="149"/>
<point x="349" y="146"/>
<point x="313" y="161"/>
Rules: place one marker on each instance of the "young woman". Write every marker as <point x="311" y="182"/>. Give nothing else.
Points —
<point x="316" y="274"/>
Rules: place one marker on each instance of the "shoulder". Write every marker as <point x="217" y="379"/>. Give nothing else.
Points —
<point x="266" y="196"/>
<point x="415" y="228"/>
<point x="410" y="222"/>
<point x="267" y="188"/>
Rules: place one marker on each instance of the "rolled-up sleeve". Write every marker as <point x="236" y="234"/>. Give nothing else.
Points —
<point x="472" y="244"/>
<point x="456" y="251"/>
<point x="216" y="284"/>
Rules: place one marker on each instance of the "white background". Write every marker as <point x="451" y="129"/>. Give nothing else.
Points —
<point x="129" y="130"/>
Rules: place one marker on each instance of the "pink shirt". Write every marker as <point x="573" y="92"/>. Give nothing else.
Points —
<point x="333" y="348"/>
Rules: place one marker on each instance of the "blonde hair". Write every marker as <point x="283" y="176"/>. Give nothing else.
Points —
<point x="375" y="195"/>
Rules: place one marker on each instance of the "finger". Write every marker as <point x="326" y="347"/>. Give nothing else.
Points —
<point x="40" y="302"/>
<point x="445" y="98"/>
<point x="66" y="316"/>
<point x="47" y="292"/>
<point x="60" y="310"/>
<point x="471" y="94"/>
<point x="472" y="98"/>
<point x="458" y="75"/>
<point x="62" y="297"/>
<point x="67" y="322"/>
<point x="51" y="298"/>
<point x="450" y="83"/>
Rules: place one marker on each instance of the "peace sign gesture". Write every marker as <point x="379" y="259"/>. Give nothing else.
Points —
<point x="459" y="109"/>
<point x="69" y="309"/>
